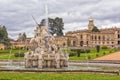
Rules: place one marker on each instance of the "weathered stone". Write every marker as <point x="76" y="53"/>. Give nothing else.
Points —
<point x="47" y="54"/>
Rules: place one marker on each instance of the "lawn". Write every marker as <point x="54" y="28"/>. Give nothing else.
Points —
<point x="56" y="76"/>
<point x="9" y="54"/>
<point x="93" y="54"/>
<point x="5" y="54"/>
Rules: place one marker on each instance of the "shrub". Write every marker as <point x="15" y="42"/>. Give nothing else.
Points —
<point x="89" y="57"/>
<point x="19" y="54"/>
<point x="87" y="51"/>
<point x="81" y="50"/>
<point x="98" y="48"/>
<point x="72" y="54"/>
<point x="104" y="47"/>
<point x="110" y="51"/>
<point x="97" y="55"/>
<point x="16" y="48"/>
<point x="104" y="53"/>
<point x="115" y="50"/>
<point x="78" y="52"/>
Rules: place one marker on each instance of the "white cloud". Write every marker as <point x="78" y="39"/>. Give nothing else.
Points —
<point x="16" y="14"/>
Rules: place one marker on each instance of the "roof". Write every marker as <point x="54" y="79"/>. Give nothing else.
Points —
<point x="106" y="30"/>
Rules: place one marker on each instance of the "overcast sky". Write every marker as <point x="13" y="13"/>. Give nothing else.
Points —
<point x="16" y="15"/>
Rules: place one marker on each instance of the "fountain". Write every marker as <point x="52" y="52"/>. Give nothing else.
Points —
<point x="45" y="53"/>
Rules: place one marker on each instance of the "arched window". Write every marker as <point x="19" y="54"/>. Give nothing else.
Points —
<point x="118" y="42"/>
<point x="81" y="36"/>
<point x="92" y="37"/>
<point x="118" y="35"/>
<point x="74" y="43"/>
<point x="98" y="37"/>
<point x="95" y="37"/>
<point x="81" y="43"/>
<point x="87" y="42"/>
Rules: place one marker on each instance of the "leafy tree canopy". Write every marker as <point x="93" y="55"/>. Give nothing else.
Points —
<point x="55" y="25"/>
<point x="95" y="29"/>
<point x="4" y="36"/>
<point x="22" y="36"/>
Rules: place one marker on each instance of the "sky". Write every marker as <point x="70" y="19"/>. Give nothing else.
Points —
<point x="16" y="15"/>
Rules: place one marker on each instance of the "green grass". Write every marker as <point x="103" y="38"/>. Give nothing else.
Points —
<point x="93" y="54"/>
<point x="56" y="76"/>
<point x="5" y="54"/>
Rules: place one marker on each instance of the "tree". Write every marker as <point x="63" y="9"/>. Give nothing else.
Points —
<point x="55" y="25"/>
<point x="4" y="36"/>
<point x="43" y="22"/>
<point x="78" y="52"/>
<point x="52" y="28"/>
<point x="98" y="48"/>
<point x="22" y="37"/>
<point x="95" y="29"/>
<point x="58" y="26"/>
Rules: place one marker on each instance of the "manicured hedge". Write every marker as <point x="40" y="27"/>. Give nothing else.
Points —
<point x="19" y="54"/>
<point x="104" y="47"/>
<point x="78" y="52"/>
<point x="81" y="50"/>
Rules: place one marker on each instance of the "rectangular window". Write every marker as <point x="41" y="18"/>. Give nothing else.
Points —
<point x="119" y="42"/>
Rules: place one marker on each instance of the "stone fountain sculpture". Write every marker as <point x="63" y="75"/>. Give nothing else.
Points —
<point x="45" y="53"/>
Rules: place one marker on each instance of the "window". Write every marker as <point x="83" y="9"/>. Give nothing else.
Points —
<point x="81" y="36"/>
<point x="103" y="42"/>
<point x="112" y="42"/>
<point x="99" y="37"/>
<point x="81" y="43"/>
<point x="87" y="42"/>
<point x="118" y="35"/>
<point x="74" y="43"/>
<point x="118" y="42"/>
<point x="92" y="37"/>
<point x="95" y="37"/>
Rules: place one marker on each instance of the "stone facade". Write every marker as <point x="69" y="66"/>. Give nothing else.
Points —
<point x="104" y="37"/>
<point x="20" y="44"/>
<point x="61" y="41"/>
<point x="2" y="46"/>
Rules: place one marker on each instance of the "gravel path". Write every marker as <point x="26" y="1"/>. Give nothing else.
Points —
<point x="114" y="56"/>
